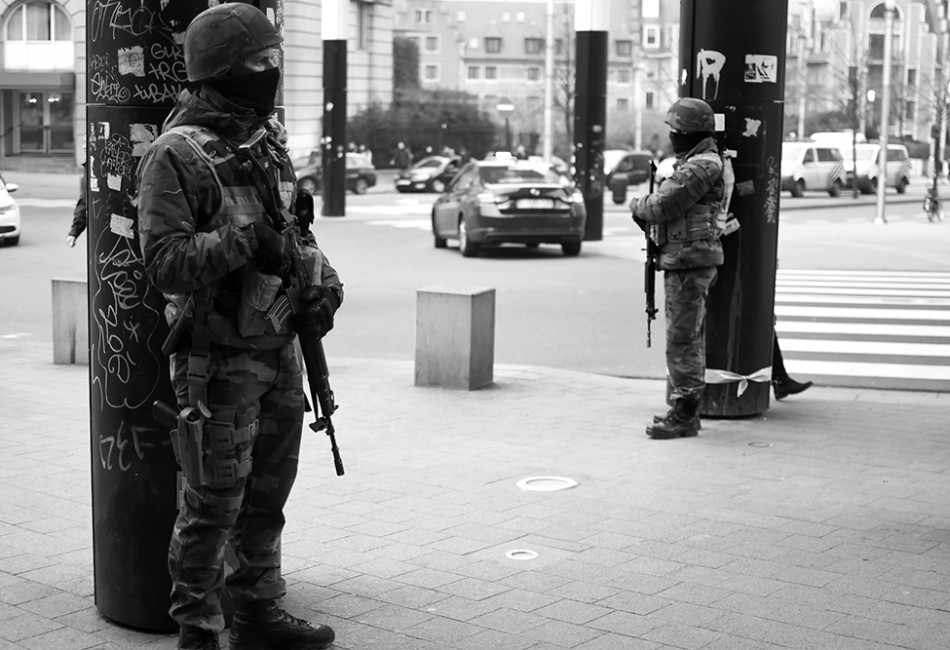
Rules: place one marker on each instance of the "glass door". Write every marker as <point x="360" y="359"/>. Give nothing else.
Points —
<point x="45" y="122"/>
<point x="32" y="131"/>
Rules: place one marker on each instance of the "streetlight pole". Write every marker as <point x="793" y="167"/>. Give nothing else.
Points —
<point x="885" y="111"/>
<point x="505" y="107"/>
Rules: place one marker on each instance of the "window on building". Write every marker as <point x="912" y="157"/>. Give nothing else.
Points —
<point x="910" y="112"/>
<point x="533" y="45"/>
<point x="474" y="72"/>
<point x="492" y="44"/>
<point x="432" y="72"/>
<point x="650" y="8"/>
<point x="432" y="43"/>
<point x="672" y="37"/>
<point x="623" y="76"/>
<point x="650" y="99"/>
<point x="417" y="41"/>
<point x="491" y="72"/>
<point x="38" y="37"/>
<point x="624" y="48"/>
<point x="911" y="78"/>
<point x="623" y="104"/>
<point x="364" y="15"/>
<point x="534" y="74"/>
<point x="491" y="101"/>
<point x="651" y="36"/>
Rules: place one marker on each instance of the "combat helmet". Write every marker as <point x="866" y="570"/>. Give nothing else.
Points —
<point x="219" y="38"/>
<point x="691" y="115"/>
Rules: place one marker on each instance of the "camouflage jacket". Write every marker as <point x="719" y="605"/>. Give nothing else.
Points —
<point x="196" y="201"/>
<point x="682" y="213"/>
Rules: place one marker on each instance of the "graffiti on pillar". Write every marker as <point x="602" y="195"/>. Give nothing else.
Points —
<point x="709" y="64"/>
<point x="772" y="185"/>
<point x="761" y="69"/>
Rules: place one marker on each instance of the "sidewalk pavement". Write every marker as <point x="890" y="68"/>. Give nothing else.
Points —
<point x="823" y="524"/>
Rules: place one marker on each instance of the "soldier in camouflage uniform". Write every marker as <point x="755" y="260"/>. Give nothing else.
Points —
<point x="209" y="189"/>
<point x="682" y="221"/>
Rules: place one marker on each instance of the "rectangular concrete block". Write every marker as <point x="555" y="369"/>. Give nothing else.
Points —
<point x="455" y="336"/>
<point x="70" y="321"/>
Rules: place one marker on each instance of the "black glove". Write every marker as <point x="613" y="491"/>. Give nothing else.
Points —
<point x="641" y="222"/>
<point x="273" y="250"/>
<point x="316" y="319"/>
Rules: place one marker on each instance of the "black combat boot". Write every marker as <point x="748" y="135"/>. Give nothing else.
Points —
<point x="195" y="638"/>
<point x="786" y="386"/>
<point x="660" y="418"/>
<point x="681" y="422"/>
<point x="264" y="626"/>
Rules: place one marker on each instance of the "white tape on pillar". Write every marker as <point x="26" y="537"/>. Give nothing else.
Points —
<point x="591" y="15"/>
<point x="333" y="19"/>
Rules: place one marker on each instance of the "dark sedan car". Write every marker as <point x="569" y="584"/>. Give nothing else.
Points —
<point x="431" y="174"/>
<point x="496" y="202"/>
<point x="360" y="173"/>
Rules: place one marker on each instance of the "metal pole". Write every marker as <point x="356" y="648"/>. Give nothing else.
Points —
<point x="885" y="112"/>
<point x="548" y="144"/>
<point x="591" y="18"/>
<point x="746" y="91"/>
<point x="334" y="15"/>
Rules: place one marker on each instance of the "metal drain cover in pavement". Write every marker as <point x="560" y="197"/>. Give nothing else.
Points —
<point x="546" y="483"/>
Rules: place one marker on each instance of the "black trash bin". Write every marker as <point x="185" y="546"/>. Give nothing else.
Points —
<point x="618" y="188"/>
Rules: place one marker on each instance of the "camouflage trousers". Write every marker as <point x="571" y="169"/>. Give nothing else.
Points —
<point x="686" y="293"/>
<point x="245" y="513"/>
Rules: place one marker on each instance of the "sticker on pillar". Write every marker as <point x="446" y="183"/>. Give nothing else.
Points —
<point x="709" y="65"/>
<point x="752" y="127"/>
<point x="761" y="69"/>
<point x="131" y="60"/>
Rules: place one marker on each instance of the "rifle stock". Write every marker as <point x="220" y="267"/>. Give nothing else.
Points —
<point x="649" y="270"/>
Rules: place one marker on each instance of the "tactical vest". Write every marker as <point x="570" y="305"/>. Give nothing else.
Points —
<point x="248" y="308"/>
<point x="698" y="222"/>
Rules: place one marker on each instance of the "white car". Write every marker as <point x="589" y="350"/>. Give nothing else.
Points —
<point x="868" y="168"/>
<point x="664" y="169"/>
<point x="9" y="215"/>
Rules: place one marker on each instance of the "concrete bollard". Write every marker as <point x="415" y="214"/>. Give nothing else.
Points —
<point x="70" y="322"/>
<point x="455" y="336"/>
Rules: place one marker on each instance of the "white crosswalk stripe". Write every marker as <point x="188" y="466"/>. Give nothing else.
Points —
<point x="888" y="329"/>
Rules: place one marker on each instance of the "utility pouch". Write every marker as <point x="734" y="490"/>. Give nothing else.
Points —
<point x="188" y="442"/>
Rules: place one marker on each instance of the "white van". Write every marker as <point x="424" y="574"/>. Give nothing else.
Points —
<point x="867" y="169"/>
<point x="811" y="166"/>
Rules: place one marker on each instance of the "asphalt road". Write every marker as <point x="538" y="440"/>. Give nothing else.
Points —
<point x="584" y="313"/>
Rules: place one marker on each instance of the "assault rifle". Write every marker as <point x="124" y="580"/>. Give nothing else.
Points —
<point x="649" y="271"/>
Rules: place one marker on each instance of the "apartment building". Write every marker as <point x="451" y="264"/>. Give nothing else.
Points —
<point x="495" y="50"/>
<point x="830" y="42"/>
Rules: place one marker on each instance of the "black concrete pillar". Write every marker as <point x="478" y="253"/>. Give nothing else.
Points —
<point x="732" y="55"/>
<point x="334" y="25"/>
<point x="591" y="18"/>
<point x="135" y="70"/>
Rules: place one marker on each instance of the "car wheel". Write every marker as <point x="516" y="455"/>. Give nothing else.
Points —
<point x="798" y="189"/>
<point x="467" y="247"/>
<point x="10" y="241"/>
<point x="571" y="249"/>
<point x="360" y="186"/>
<point x="308" y="184"/>
<point x="438" y="241"/>
<point x="438" y="186"/>
<point x="835" y="189"/>
<point x="902" y="185"/>
<point x="872" y="186"/>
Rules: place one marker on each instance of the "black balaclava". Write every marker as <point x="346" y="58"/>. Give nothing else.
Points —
<point x="683" y="143"/>
<point x="255" y="90"/>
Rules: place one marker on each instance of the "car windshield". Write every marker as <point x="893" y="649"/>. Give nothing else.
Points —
<point x="611" y="158"/>
<point x="428" y="162"/>
<point x="792" y="151"/>
<point x="522" y="175"/>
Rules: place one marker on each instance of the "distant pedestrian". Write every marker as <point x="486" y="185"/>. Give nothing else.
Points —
<point x="521" y="153"/>
<point x="681" y="220"/>
<point x="80" y="214"/>
<point x="402" y="159"/>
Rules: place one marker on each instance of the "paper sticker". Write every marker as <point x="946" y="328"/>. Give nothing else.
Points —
<point x="761" y="68"/>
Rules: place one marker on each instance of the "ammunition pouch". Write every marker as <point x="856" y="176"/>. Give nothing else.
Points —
<point x="700" y="223"/>
<point x="210" y="452"/>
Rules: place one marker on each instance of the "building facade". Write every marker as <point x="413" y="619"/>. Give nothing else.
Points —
<point x="43" y="72"/>
<point x="495" y="50"/>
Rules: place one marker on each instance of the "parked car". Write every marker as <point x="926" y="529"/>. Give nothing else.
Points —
<point x="495" y="202"/>
<point x="634" y="164"/>
<point x="866" y="169"/>
<point x="811" y="166"/>
<point x="9" y="214"/>
<point x="430" y="174"/>
<point x="665" y="169"/>
<point x="360" y="173"/>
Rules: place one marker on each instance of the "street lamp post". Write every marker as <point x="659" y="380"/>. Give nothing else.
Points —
<point x="505" y="107"/>
<point x="885" y="111"/>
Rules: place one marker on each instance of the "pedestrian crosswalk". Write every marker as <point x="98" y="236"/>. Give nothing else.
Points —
<point x="886" y="329"/>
